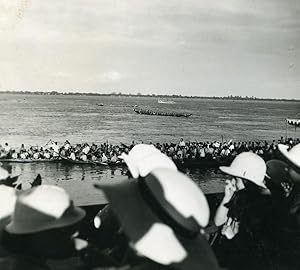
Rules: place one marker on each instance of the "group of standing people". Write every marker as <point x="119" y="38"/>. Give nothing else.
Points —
<point x="159" y="218"/>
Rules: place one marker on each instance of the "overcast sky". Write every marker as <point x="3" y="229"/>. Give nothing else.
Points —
<point x="228" y="47"/>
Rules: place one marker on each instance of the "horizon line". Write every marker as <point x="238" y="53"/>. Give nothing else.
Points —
<point x="114" y="93"/>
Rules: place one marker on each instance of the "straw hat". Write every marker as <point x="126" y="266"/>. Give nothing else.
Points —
<point x="143" y="158"/>
<point x="247" y="166"/>
<point x="43" y="208"/>
<point x="163" y="215"/>
<point x="292" y="155"/>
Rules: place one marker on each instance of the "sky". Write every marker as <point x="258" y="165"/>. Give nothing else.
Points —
<point x="190" y="47"/>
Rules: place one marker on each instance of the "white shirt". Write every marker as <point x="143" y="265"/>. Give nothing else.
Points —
<point x="72" y="156"/>
<point x="86" y="150"/>
<point x="181" y="143"/>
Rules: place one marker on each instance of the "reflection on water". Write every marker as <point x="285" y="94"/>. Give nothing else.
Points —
<point x="78" y="179"/>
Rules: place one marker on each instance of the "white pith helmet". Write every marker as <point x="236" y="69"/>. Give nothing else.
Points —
<point x="163" y="205"/>
<point x="8" y="199"/>
<point x="183" y="194"/>
<point x="249" y="166"/>
<point x="293" y="155"/>
<point x="3" y="173"/>
<point x="143" y="158"/>
<point x="43" y="208"/>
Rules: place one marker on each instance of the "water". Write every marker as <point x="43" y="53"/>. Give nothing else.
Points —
<point x="34" y="119"/>
<point x="78" y="179"/>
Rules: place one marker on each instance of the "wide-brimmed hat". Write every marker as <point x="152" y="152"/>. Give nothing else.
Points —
<point x="163" y="215"/>
<point x="143" y="158"/>
<point x="249" y="166"/>
<point x="43" y="208"/>
<point x="292" y="155"/>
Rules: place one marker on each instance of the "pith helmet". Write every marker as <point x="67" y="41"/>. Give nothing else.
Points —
<point x="8" y="198"/>
<point x="43" y="208"/>
<point x="163" y="216"/>
<point x="247" y="166"/>
<point x="3" y="173"/>
<point x="292" y="155"/>
<point x="143" y="158"/>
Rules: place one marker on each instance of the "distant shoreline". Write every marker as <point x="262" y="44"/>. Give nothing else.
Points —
<point x="55" y="93"/>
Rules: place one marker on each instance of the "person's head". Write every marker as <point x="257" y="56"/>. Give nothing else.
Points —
<point x="279" y="182"/>
<point x="163" y="218"/>
<point x="292" y="158"/>
<point x="42" y="224"/>
<point x="143" y="158"/>
<point x="248" y="167"/>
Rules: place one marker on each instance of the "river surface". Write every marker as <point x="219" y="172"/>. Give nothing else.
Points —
<point x="35" y="119"/>
<point x="78" y="179"/>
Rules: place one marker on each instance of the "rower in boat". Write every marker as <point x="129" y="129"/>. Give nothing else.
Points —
<point x="83" y="157"/>
<point x="14" y="154"/>
<point x="47" y="154"/>
<point x="72" y="156"/>
<point x="104" y="158"/>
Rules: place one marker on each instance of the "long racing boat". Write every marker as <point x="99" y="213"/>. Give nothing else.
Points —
<point x="159" y="113"/>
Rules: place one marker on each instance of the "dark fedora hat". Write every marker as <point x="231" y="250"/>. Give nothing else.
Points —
<point x="163" y="215"/>
<point x="43" y="208"/>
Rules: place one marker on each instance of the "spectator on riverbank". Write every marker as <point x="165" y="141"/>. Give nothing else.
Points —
<point x="41" y="229"/>
<point x="244" y="213"/>
<point x="8" y="198"/>
<point x="284" y="184"/>
<point x="157" y="226"/>
<point x="162" y="219"/>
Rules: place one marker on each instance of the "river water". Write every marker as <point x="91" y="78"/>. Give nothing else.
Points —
<point x="78" y="179"/>
<point x="35" y="119"/>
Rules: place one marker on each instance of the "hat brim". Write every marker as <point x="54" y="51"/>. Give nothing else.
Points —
<point x="285" y="152"/>
<point x="137" y="218"/>
<point x="68" y="219"/>
<point x="230" y="171"/>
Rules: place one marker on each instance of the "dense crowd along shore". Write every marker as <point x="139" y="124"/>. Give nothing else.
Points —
<point x="183" y="153"/>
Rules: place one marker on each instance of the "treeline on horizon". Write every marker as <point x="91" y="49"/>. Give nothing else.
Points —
<point x="230" y="97"/>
